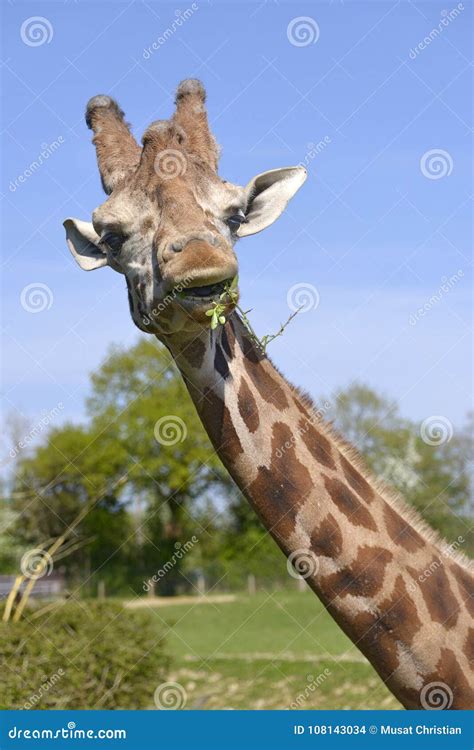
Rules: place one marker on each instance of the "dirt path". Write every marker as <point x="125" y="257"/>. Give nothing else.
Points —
<point x="171" y="601"/>
<point x="266" y="656"/>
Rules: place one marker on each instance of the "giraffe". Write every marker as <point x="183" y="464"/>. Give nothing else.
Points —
<point x="169" y="225"/>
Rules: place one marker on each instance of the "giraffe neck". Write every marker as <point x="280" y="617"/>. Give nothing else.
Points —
<point x="393" y="589"/>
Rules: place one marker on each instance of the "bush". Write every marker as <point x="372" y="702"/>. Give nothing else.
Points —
<point x="79" y="656"/>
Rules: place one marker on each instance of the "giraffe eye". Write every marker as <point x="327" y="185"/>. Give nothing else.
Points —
<point x="234" y="221"/>
<point x="113" y="241"/>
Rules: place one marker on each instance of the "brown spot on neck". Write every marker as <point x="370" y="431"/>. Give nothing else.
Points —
<point x="363" y="577"/>
<point x="357" y="481"/>
<point x="250" y="351"/>
<point x="316" y="443"/>
<point x="469" y="647"/>
<point x="194" y="353"/>
<point x="436" y="591"/>
<point x="227" y="340"/>
<point x="263" y="375"/>
<point x="304" y="403"/>
<point x="349" y="504"/>
<point x="248" y="407"/>
<point x="326" y="539"/>
<point x="218" y="422"/>
<point x="399" y="614"/>
<point x="401" y="532"/>
<point x="466" y="586"/>
<point x="264" y="380"/>
<point x="220" y="363"/>
<point x="279" y="491"/>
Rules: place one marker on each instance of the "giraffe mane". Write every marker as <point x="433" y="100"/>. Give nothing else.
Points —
<point x="388" y="493"/>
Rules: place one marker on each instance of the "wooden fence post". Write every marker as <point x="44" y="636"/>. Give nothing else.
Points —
<point x="101" y="590"/>
<point x="201" y="584"/>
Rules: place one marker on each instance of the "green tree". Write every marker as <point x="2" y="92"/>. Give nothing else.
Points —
<point x="72" y="468"/>
<point x="141" y="422"/>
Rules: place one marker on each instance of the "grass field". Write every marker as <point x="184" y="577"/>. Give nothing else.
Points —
<point x="271" y="650"/>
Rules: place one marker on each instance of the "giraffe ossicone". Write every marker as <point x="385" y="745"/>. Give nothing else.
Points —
<point x="169" y="226"/>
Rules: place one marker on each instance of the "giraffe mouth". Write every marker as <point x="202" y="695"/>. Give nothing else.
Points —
<point x="207" y="293"/>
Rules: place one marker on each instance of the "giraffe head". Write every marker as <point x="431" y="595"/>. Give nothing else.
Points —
<point x="170" y="222"/>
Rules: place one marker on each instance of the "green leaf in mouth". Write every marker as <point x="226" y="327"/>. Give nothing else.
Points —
<point x="230" y="294"/>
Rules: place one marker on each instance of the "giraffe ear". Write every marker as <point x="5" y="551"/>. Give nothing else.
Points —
<point x="83" y="242"/>
<point x="268" y="195"/>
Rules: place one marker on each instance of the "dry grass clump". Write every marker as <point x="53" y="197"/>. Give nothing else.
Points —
<point x="81" y="655"/>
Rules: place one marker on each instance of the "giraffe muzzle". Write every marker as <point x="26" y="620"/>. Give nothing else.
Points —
<point x="202" y="270"/>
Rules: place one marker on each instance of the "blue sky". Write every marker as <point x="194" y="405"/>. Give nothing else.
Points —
<point x="376" y="229"/>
